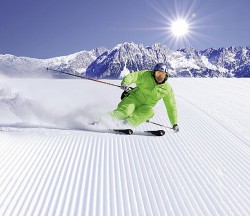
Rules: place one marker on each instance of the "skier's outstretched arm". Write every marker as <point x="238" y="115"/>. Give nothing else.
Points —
<point x="171" y="107"/>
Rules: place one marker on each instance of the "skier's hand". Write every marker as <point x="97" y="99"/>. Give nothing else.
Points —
<point x="176" y="128"/>
<point x="124" y="87"/>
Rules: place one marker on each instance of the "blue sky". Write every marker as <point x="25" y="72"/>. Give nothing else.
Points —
<point x="49" y="28"/>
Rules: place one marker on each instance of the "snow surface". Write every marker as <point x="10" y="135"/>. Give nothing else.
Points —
<point x="52" y="162"/>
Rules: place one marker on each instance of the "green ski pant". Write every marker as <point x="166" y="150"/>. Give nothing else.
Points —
<point x="133" y="111"/>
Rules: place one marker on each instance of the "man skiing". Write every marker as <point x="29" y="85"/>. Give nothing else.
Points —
<point x="151" y="86"/>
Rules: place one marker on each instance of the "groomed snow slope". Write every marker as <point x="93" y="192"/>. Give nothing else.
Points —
<point x="203" y="170"/>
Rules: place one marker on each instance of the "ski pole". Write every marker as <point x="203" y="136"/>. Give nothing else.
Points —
<point x="158" y="124"/>
<point x="75" y="75"/>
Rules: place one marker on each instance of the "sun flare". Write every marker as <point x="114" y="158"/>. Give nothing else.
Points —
<point x="179" y="28"/>
<point x="179" y="24"/>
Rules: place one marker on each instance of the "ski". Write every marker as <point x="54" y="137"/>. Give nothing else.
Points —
<point x="130" y="132"/>
<point x="123" y="131"/>
<point x="156" y="132"/>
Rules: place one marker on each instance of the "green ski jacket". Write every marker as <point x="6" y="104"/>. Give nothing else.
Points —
<point x="149" y="92"/>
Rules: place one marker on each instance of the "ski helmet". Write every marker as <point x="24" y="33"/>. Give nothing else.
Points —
<point x="164" y="67"/>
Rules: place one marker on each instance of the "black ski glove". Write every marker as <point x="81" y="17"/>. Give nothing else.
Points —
<point x="176" y="128"/>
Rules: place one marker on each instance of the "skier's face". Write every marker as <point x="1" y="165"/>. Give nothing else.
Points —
<point x="160" y="76"/>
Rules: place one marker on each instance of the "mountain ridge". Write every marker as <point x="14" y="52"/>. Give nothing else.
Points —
<point x="128" y="57"/>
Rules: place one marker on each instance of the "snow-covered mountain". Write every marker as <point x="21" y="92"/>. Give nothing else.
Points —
<point x="125" y="58"/>
<point x="236" y="60"/>
<point x="129" y="57"/>
<point x="13" y="66"/>
<point x="187" y="62"/>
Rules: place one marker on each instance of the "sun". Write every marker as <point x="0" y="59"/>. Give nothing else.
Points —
<point x="179" y="24"/>
<point x="179" y="28"/>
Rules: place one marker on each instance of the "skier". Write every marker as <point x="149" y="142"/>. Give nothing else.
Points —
<point x="151" y="86"/>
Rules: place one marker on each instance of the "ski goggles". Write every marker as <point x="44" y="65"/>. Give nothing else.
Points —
<point x="161" y="74"/>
